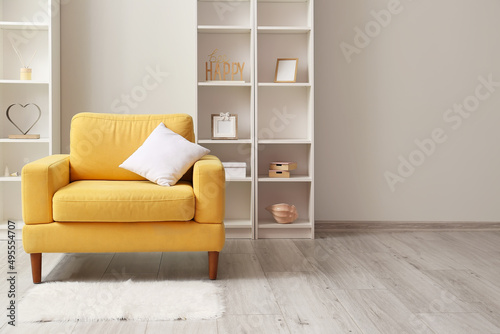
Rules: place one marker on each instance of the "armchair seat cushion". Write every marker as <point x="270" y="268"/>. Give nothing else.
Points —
<point x="123" y="201"/>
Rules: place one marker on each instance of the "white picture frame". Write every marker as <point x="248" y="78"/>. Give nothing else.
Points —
<point x="224" y="126"/>
<point x="286" y="70"/>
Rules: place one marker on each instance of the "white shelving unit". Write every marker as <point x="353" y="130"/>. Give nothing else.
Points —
<point x="275" y="120"/>
<point x="228" y="27"/>
<point x="32" y="26"/>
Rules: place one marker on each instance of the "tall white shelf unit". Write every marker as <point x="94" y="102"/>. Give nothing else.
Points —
<point x="275" y="120"/>
<point x="31" y="25"/>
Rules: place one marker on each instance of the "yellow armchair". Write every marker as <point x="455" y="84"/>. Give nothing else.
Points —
<point x="84" y="203"/>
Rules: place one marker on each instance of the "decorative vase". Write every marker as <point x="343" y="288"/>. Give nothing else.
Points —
<point x="25" y="73"/>
<point x="283" y="213"/>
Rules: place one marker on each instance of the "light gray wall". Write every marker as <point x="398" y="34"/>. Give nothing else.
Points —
<point x="369" y="111"/>
<point x="397" y="90"/>
<point x="127" y="56"/>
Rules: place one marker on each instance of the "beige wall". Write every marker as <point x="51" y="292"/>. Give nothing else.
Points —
<point x="127" y="56"/>
<point x="397" y="90"/>
<point x="369" y="111"/>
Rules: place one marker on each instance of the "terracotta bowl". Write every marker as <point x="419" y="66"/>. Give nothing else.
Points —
<point x="283" y="213"/>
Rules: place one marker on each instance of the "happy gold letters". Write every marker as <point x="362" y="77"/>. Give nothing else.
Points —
<point x="219" y="68"/>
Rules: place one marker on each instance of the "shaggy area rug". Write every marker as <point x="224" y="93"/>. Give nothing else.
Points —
<point x="86" y="301"/>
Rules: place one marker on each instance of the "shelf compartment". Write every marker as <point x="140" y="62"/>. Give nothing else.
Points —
<point x="24" y="94"/>
<point x="301" y="154"/>
<point x="18" y="11"/>
<point x="271" y="46"/>
<point x="233" y="153"/>
<point x="224" y="13"/>
<point x="297" y="194"/>
<point x="231" y="47"/>
<point x="38" y="42"/>
<point x="291" y="13"/>
<point x="283" y="113"/>
<point x="10" y="207"/>
<point x="234" y="100"/>
<point x="237" y="223"/>
<point x="18" y="155"/>
<point x="238" y="220"/>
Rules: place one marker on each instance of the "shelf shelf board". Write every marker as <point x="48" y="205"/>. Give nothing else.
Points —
<point x="242" y="179"/>
<point x="224" y="83"/>
<point x="223" y="29"/>
<point x="278" y="1"/>
<point x="292" y="178"/>
<point x="300" y="223"/>
<point x="10" y="179"/>
<point x="237" y="223"/>
<point x="284" y="141"/>
<point x="226" y="0"/>
<point x="282" y="84"/>
<point x="23" y="25"/>
<point x="225" y="141"/>
<point x="24" y="82"/>
<point x="24" y="141"/>
<point x="283" y="30"/>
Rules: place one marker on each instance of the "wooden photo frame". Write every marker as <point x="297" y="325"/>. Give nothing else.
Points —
<point x="224" y="126"/>
<point x="286" y="70"/>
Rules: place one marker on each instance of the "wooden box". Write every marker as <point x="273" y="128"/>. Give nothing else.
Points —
<point x="283" y="165"/>
<point x="279" y="173"/>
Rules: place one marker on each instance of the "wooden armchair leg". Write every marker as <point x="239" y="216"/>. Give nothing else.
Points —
<point x="213" y="262"/>
<point x="36" y="267"/>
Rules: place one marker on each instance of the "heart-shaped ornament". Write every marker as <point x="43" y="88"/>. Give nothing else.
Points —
<point x="37" y="108"/>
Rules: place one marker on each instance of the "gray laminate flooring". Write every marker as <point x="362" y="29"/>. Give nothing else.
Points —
<point x="341" y="282"/>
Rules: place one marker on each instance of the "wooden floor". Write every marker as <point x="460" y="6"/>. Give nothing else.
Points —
<point x="342" y="282"/>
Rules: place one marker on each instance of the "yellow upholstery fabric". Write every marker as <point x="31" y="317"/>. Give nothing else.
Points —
<point x="40" y="180"/>
<point x="209" y="190"/>
<point x="123" y="237"/>
<point x="99" y="143"/>
<point x="123" y="201"/>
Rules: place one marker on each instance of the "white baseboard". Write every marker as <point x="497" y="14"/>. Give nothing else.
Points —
<point x="325" y="226"/>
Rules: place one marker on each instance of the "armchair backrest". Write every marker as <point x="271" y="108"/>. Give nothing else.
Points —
<point x="99" y="143"/>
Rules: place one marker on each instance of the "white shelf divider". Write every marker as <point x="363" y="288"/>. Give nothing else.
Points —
<point x="24" y="82"/>
<point x="10" y="179"/>
<point x="225" y="141"/>
<point x="283" y="30"/>
<point x="292" y="178"/>
<point x="299" y="223"/>
<point x="224" y="83"/>
<point x="23" y="25"/>
<point x="204" y="29"/>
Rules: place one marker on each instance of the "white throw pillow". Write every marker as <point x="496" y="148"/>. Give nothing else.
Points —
<point x="164" y="157"/>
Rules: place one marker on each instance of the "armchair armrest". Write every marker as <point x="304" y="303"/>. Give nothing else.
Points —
<point x="209" y="185"/>
<point x="40" y="180"/>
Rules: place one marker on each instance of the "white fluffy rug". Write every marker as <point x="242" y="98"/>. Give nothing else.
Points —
<point x="84" y="301"/>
